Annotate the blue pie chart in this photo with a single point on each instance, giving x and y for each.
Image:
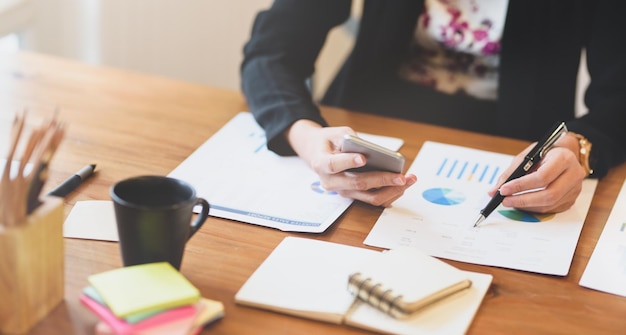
(443, 196)
(317, 187)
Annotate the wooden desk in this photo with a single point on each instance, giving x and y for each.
(131, 124)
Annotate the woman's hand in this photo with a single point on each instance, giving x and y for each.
(557, 179)
(320, 148)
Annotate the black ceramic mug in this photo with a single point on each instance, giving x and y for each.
(153, 215)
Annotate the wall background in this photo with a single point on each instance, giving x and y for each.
(199, 41)
(195, 40)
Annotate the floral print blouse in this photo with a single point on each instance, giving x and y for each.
(456, 45)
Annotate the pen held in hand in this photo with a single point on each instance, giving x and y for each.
(532, 158)
(71, 183)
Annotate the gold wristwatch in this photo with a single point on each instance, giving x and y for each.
(584, 152)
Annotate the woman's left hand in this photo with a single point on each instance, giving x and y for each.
(552, 186)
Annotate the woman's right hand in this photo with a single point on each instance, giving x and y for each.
(320, 148)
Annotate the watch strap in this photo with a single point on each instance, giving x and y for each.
(584, 152)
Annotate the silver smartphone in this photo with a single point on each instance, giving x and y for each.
(378, 158)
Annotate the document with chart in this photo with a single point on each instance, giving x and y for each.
(244, 181)
(437, 214)
(606, 270)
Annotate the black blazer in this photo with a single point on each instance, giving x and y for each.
(541, 46)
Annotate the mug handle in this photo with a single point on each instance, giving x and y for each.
(201, 218)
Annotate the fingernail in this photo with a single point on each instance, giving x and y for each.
(359, 160)
(398, 181)
(501, 191)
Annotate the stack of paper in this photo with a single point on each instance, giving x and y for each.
(148, 299)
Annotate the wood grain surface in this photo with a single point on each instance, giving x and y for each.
(135, 124)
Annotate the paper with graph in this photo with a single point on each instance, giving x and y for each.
(606, 270)
(437, 215)
(244, 181)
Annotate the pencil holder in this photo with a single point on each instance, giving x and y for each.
(31, 267)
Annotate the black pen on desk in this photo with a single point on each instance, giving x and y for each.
(533, 157)
(71, 183)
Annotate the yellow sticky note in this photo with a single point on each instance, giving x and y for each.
(210, 310)
(142, 288)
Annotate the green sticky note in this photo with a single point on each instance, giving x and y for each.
(130, 318)
(144, 288)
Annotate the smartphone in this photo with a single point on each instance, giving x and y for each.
(378, 158)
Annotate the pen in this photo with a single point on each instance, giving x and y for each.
(71, 183)
(533, 157)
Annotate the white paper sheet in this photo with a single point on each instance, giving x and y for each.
(606, 270)
(244, 181)
(437, 215)
(92, 220)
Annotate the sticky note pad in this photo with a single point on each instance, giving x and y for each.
(212, 310)
(122, 327)
(91, 293)
(143, 288)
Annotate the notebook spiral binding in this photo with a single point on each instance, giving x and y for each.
(376, 295)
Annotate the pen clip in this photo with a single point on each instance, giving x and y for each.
(548, 141)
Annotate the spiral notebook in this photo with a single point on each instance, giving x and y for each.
(402, 281)
(310, 279)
